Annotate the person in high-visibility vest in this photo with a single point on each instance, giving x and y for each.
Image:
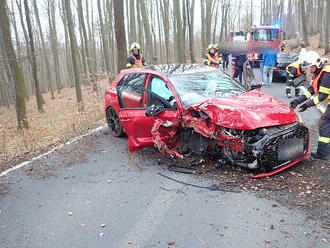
(135, 59)
(212, 58)
(294, 70)
(320, 87)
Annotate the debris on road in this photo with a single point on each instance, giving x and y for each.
(212, 187)
(70, 213)
(184, 170)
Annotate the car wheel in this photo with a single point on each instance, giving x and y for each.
(114, 124)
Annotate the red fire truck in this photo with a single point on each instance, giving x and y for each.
(264, 36)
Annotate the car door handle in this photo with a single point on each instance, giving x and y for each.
(126, 120)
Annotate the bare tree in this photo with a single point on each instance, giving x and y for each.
(49, 77)
(40, 100)
(120, 33)
(326, 30)
(190, 16)
(303, 22)
(14, 66)
(74, 54)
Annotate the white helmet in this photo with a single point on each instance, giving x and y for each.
(311, 57)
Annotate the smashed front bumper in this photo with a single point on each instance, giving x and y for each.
(281, 149)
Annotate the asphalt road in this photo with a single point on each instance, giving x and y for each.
(64, 199)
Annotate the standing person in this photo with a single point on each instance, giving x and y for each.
(225, 59)
(240, 60)
(269, 61)
(233, 62)
(262, 70)
(135, 59)
(293, 71)
(320, 87)
(211, 58)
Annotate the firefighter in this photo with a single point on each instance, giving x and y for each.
(283, 46)
(135, 59)
(293, 71)
(212, 58)
(320, 87)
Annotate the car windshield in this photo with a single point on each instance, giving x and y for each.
(199, 86)
(265, 34)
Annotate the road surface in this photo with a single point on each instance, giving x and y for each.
(94, 193)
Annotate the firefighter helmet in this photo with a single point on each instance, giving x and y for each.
(212, 46)
(135, 45)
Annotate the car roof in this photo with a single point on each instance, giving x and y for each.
(172, 69)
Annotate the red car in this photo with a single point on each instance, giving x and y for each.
(193, 109)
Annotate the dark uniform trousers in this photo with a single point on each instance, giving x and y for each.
(324, 134)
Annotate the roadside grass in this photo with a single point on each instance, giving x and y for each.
(59, 122)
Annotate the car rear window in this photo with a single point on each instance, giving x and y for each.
(199, 86)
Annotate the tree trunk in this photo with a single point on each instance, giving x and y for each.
(74, 54)
(54, 43)
(179, 33)
(320, 21)
(326, 30)
(118, 9)
(132, 22)
(86, 48)
(15, 68)
(203, 17)
(166, 25)
(190, 17)
(303, 22)
(105, 42)
(49, 77)
(146, 26)
(40, 100)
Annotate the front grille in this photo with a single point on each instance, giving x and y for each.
(277, 153)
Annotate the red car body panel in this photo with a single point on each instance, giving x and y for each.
(249, 111)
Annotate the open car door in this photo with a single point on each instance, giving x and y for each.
(150, 92)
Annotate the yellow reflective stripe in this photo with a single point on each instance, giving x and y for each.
(207, 61)
(316, 100)
(311, 82)
(290, 80)
(324, 140)
(128, 65)
(288, 87)
(324, 90)
(298, 87)
(307, 94)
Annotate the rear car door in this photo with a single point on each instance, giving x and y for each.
(136, 93)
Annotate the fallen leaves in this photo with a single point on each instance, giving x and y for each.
(324, 240)
(102, 234)
(70, 213)
(103, 225)
(129, 242)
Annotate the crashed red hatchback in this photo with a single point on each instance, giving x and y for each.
(198, 110)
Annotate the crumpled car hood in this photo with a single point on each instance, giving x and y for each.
(251, 110)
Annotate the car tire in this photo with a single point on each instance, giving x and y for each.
(114, 124)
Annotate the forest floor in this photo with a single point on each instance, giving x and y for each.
(314, 42)
(59, 123)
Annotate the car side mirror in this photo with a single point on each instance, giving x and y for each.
(154, 110)
(255, 85)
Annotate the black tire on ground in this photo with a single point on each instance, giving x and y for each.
(114, 124)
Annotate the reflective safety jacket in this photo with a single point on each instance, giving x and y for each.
(210, 58)
(320, 86)
(135, 61)
(294, 69)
